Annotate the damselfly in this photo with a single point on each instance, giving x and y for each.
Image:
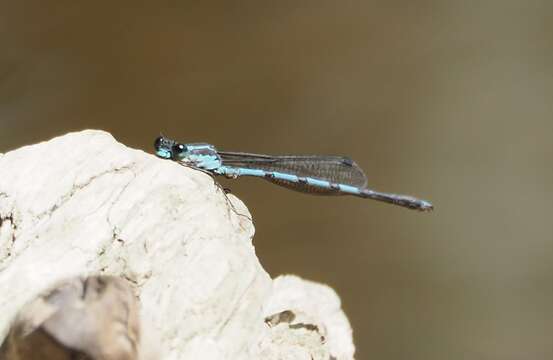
(313, 174)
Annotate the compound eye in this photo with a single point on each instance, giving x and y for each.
(158, 142)
(180, 148)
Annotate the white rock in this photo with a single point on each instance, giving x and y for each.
(309, 313)
(83, 204)
(106, 311)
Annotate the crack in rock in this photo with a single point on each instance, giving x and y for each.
(13, 229)
(286, 316)
(237, 304)
(114, 228)
(77, 187)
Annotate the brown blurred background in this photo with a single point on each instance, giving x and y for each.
(451, 101)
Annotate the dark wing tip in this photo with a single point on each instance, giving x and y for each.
(347, 161)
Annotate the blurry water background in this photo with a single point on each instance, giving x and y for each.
(451, 101)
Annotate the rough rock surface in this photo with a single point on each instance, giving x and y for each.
(85, 204)
(106, 311)
(305, 311)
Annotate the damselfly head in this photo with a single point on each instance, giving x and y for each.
(164, 147)
(169, 149)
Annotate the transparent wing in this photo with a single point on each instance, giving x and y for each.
(336, 169)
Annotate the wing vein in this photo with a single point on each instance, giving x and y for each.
(336, 169)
